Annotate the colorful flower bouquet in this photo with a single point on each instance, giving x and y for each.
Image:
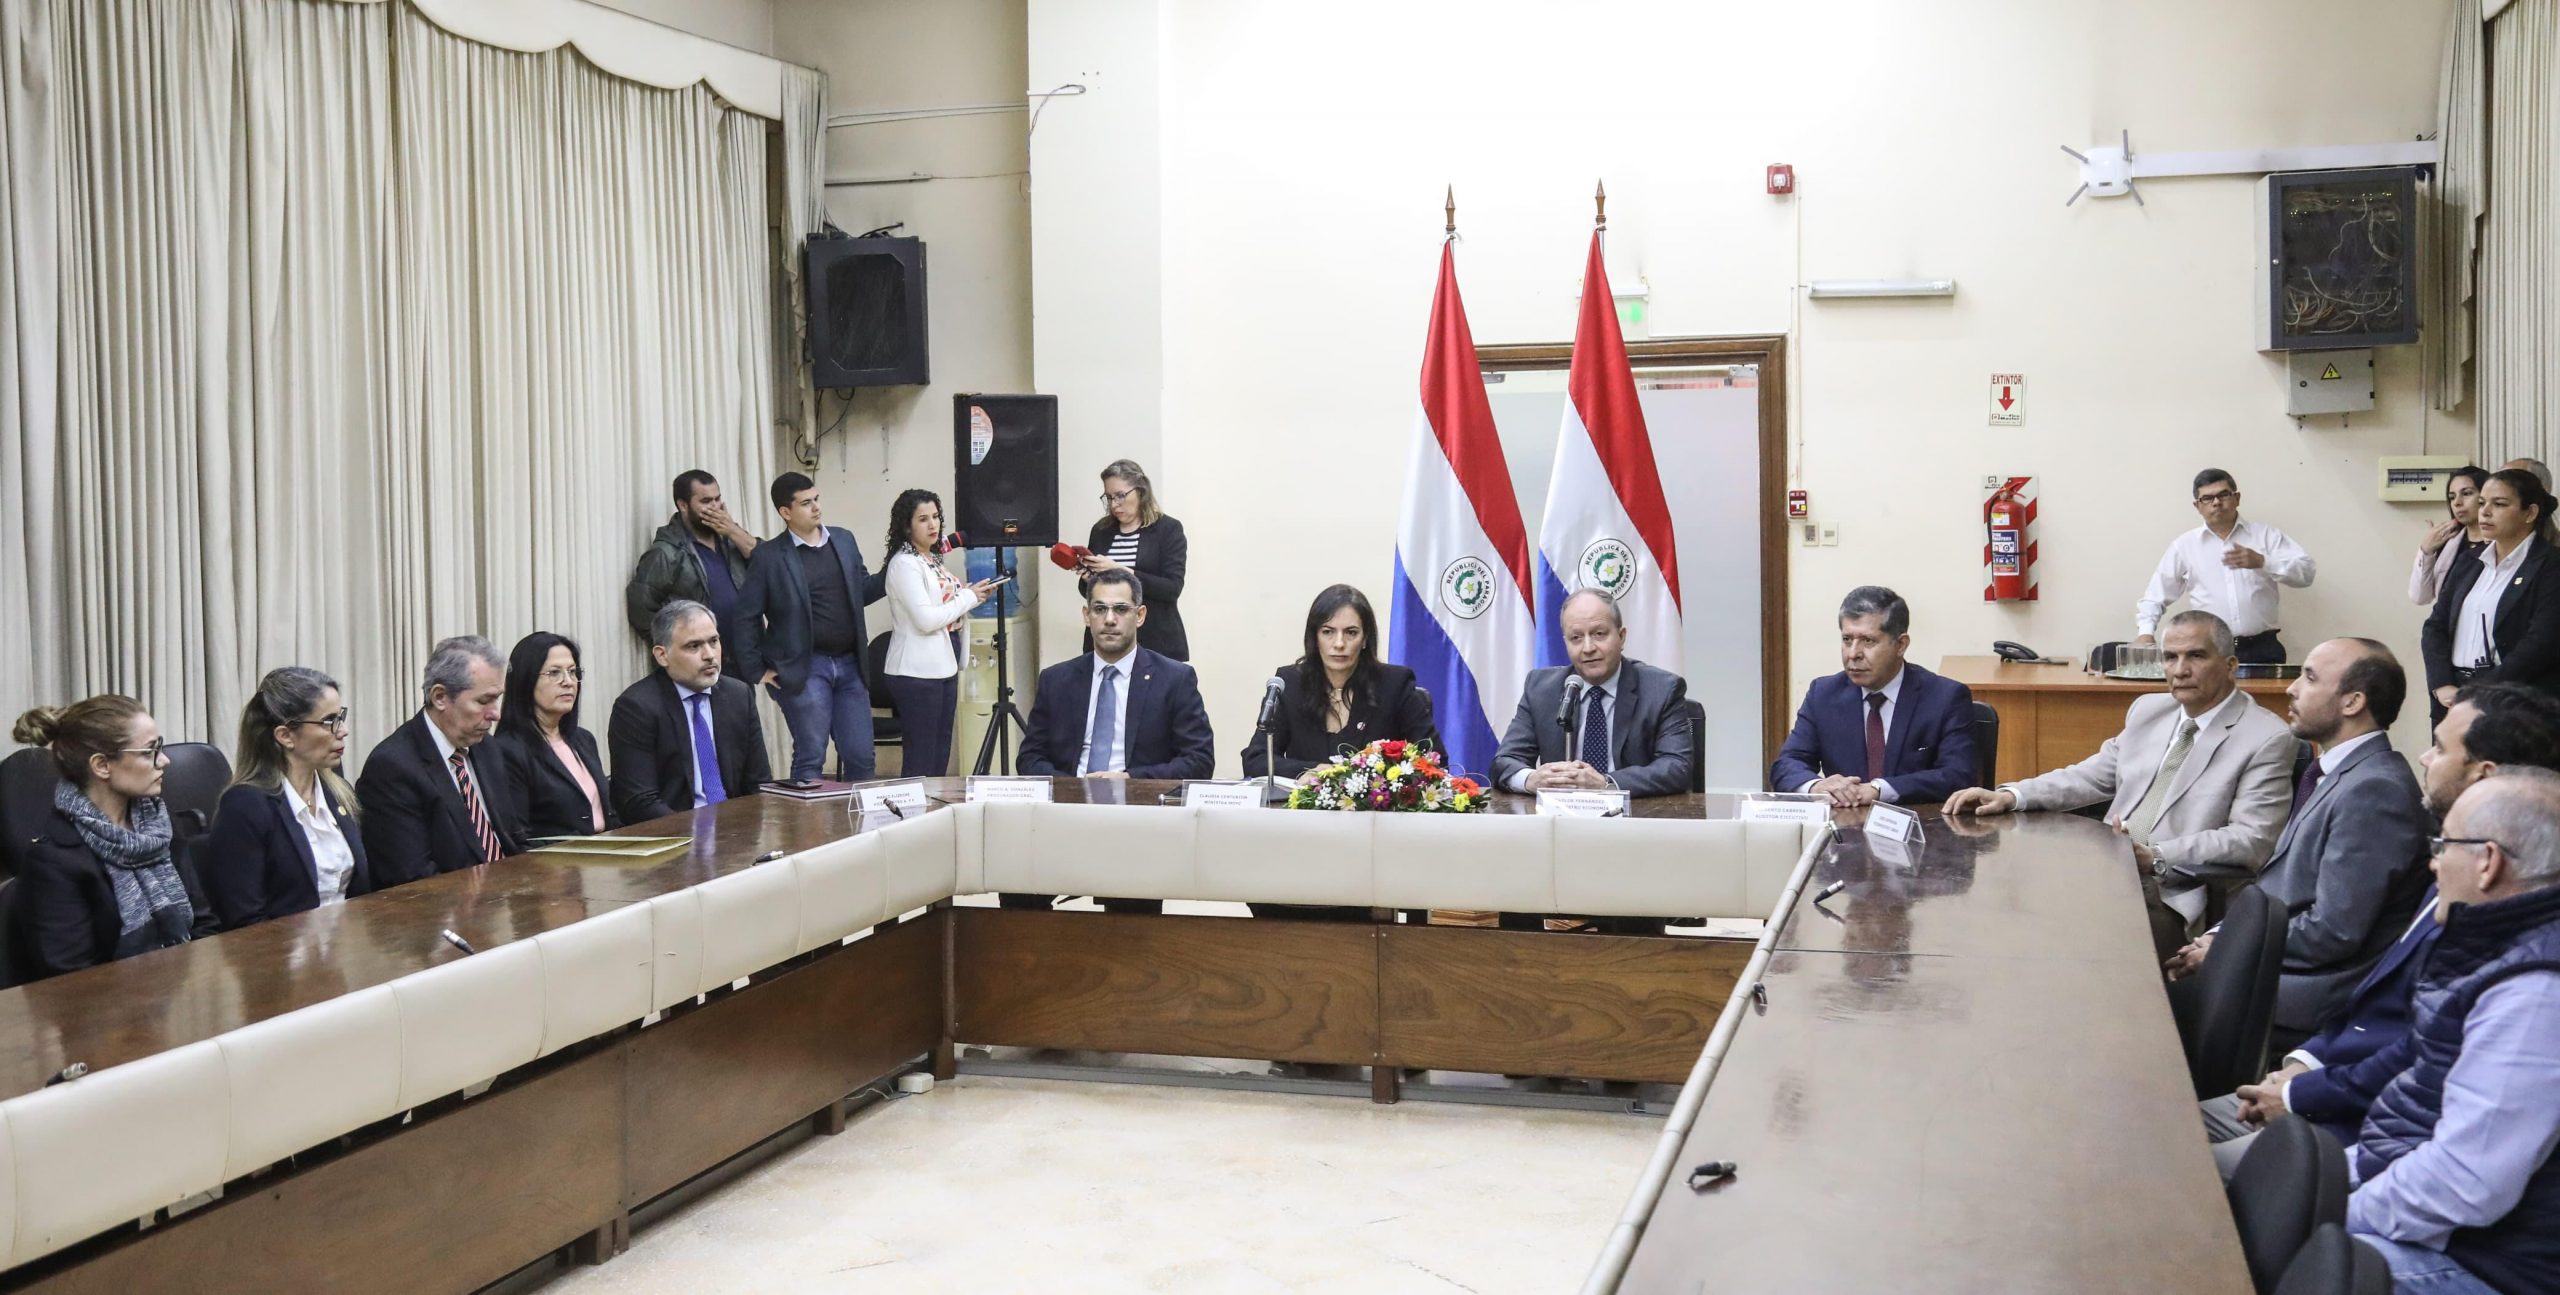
(1393, 775)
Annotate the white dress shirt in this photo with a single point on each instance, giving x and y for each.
(924, 602)
(1606, 688)
(1115, 759)
(2475, 623)
(693, 745)
(332, 861)
(444, 758)
(1892, 691)
(2245, 599)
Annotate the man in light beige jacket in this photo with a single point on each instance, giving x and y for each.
(2228, 786)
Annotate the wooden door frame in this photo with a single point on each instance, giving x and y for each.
(1769, 353)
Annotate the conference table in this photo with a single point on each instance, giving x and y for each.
(1969, 1071)
(1965, 1078)
(2057, 715)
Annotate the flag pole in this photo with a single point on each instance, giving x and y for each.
(1452, 229)
(1600, 206)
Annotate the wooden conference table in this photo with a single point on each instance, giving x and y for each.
(2057, 715)
(1966, 1079)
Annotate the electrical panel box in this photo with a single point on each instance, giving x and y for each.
(2418, 478)
(2337, 259)
(2328, 382)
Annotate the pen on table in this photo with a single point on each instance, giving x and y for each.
(457, 941)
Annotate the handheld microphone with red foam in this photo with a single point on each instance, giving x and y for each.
(950, 540)
(1063, 556)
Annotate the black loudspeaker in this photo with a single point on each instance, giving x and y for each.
(866, 311)
(1004, 469)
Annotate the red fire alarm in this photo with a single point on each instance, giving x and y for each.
(1799, 505)
(1782, 180)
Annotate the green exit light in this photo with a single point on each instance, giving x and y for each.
(1631, 312)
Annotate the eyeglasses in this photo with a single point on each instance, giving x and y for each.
(334, 723)
(1110, 497)
(1111, 609)
(153, 752)
(2436, 844)
(2218, 497)
(564, 674)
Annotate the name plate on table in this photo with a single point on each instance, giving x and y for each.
(1893, 834)
(1222, 795)
(906, 794)
(1017, 791)
(1583, 804)
(1812, 811)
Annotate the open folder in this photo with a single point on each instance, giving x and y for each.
(596, 848)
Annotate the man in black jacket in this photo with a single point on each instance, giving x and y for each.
(686, 736)
(427, 792)
(801, 635)
(700, 555)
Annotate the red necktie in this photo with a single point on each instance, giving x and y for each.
(479, 816)
(1875, 737)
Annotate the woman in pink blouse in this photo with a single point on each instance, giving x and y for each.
(553, 783)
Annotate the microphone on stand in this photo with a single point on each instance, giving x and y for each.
(1271, 690)
(1574, 688)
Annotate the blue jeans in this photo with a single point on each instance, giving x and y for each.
(832, 703)
(2416, 1269)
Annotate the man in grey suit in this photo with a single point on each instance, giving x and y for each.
(1627, 725)
(2353, 862)
(2200, 778)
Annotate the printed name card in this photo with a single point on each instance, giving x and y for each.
(1016, 791)
(1893, 823)
(1811, 811)
(1583, 804)
(1222, 795)
(879, 797)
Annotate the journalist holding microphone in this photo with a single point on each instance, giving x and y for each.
(1337, 694)
(922, 673)
(1135, 535)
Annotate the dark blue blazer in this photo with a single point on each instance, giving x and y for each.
(1168, 727)
(257, 864)
(773, 621)
(2364, 1047)
(1928, 748)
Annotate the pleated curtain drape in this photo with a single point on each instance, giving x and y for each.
(2517, 342)
(325, 334)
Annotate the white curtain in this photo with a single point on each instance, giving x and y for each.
(2518, 341)
(325, 333)
(2450, 288)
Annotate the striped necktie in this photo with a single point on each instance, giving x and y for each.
(479, 813)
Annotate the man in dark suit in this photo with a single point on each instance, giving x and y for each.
(1882, 728)
(685, 736)
(1629, 728)
(801, 634)
(2334, 1076)
(1119, 711)
(2352, 862)
(427, 793)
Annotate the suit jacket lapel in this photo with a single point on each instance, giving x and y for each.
(293, 832)
(2320, 794)
(2145, 749)
(1906, 716)
(1081, 686)
(2208, 739)
(1622, 712)
(448, 794)
(2514, 592)
(684, 731)
(1143, 697)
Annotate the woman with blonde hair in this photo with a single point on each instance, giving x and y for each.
(1135, 534)
(285, 838)
(99, 883)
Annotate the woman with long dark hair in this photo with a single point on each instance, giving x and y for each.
(2497, 619)
(99, 883)
(1135, 534)
(2451, 540)
(921, 671)
(285, 837)
(551, 782)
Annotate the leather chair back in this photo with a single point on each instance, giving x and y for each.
(1986, 745)
(192, 785)
(2226, 1008)
(27, 780)
(2333, 1263)
(2293, 1180)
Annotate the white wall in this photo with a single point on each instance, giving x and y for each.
(1300, 152)
(747, 24)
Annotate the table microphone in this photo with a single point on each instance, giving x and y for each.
(1271, 690)
(1573, 690)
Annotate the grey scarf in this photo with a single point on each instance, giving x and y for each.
(152, 907)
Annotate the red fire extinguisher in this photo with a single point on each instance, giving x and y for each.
(2006, 519)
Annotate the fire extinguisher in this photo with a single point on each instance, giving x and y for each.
(2005, 518)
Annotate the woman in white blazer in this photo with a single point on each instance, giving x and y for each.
(922, 672)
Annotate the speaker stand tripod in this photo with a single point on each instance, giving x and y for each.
(997, 735)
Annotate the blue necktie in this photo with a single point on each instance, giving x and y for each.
(1595, 731)
(706, 760)
(1106, 722)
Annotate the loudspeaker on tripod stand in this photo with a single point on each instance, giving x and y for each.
(1005, 470)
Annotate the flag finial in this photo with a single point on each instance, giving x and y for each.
(1599, 205)
(1453, 211)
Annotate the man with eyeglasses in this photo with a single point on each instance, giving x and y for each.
(2453, 1176)
(2228, 567)
(1118, 712)
(2333, 1077)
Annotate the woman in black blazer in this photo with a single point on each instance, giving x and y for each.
(285, 837)
(1135, 533)
(1336, 695)
(99, 882)
(2521, 611)
(552, 781)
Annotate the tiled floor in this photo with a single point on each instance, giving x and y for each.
(1000, 1185)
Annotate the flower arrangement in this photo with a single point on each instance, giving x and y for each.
(1389, 775)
